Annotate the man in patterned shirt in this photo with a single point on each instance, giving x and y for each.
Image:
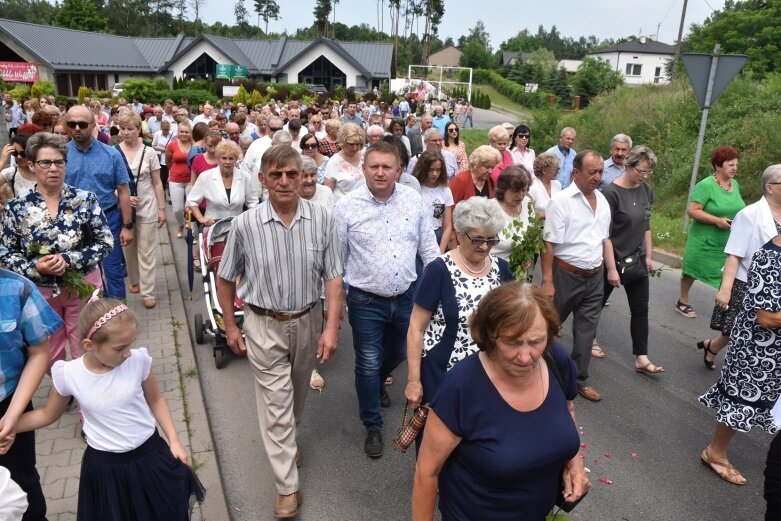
(26, 323)
(382, 226)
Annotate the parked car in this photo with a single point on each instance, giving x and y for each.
(317, 88)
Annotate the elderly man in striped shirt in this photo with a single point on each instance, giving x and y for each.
(279, 251)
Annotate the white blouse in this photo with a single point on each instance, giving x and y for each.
(245, 191)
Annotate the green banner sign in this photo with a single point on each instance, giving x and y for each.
(239, 71)
(224, 71)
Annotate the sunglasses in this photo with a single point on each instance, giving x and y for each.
(523, 136)
(309, 146)
(479, 241)
(453, 129)
(81, 124)
(275, 129)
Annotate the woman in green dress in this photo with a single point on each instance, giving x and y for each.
(714, 202)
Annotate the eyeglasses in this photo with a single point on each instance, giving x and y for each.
(47, 164)
(81, 124)
(644, 172)
(479, 241)
(276, 175)
(354, 143)
(523, 136)
(274, 129)
(309, 146)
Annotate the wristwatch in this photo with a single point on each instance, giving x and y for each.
(127, 226)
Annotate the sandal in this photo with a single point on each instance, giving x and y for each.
(135, 288)
(197, 264)
(710, 364)
(389, 380)
(685, 310)
(596, 350)
(723, 470)
(649, 368)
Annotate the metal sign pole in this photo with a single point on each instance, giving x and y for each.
(701, 136)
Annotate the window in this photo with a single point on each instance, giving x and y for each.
(633, 69)
(657, 75)
(323, 72)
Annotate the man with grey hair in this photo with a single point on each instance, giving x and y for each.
(566, 155)
(433, 139)
(153, 123)
(614, 165)
(205, 116)
(440, 119)
(282, 137)
(415, 135)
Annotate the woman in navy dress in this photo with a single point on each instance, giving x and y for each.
(500, 441)
(446, 296)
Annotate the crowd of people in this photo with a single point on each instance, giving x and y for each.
(367, 205)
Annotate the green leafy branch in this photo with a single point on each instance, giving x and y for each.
(527, 243)
(72, 278)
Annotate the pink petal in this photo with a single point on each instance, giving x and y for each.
(608, 455)
(583, 446)
(582, 456)
(633, 454)
(605, 481)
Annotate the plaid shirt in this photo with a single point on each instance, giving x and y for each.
(25, 320)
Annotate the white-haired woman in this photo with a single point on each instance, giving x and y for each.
(447, 294)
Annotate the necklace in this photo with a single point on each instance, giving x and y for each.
(512, 212)
(727, 188)
(466, 266)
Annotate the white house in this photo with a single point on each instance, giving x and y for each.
(640, 61)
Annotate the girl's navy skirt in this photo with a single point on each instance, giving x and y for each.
(146, 483)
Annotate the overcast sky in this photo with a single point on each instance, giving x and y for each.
(602, 18)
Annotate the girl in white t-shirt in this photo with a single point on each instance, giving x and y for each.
(128, 471)
(437, 197)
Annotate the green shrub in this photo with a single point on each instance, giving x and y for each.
(241, 96)
(255, 98)
(82, 93)
(42, 88)
(511, 89)
(19, 92)
(100, 94)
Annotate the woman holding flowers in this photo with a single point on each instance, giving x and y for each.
(56, 236)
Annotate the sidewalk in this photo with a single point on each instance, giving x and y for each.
(163, 330)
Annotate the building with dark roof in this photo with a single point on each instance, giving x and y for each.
(72, 58)
(640, 61)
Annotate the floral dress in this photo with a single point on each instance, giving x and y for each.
(750, 381)
(79, 233)
(452, 296)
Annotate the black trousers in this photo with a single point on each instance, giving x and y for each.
(773, 480)
(637, 295)
(20, 461)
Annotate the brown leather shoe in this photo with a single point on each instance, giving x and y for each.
(298, 458)
(149, 304)
(287, 506)
(135, 288)
(589, 393)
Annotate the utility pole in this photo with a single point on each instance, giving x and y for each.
(680, 40)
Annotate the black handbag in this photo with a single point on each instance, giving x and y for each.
(631, 268)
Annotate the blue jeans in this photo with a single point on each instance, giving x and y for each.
(114, 263)
(379, 327)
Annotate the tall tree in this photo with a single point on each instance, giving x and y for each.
(434, 11)
(181, 10)
(322, 12)
(197, 5)
(267, 10)
(80, 14)
(33, 11)
(160, 15)
(242, 17)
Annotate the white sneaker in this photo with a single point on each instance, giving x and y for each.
(316, 381)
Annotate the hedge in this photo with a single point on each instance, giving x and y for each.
(511, 89)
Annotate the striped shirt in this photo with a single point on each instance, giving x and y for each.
(26, 319)
(280, 268)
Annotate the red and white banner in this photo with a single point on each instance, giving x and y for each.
(19, 72)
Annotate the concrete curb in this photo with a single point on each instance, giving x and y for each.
(215, 507)
(670, 259)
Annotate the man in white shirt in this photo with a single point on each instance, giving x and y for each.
(433, 139)
(382, 226)
(251, 161)
(577, 223)
(205, 116)
(153, 123)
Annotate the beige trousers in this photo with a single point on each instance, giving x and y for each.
(141, 258)
(282, 355)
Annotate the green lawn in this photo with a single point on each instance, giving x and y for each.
(473, 138)
(501, 103)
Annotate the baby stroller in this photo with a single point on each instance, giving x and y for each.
(211, 243)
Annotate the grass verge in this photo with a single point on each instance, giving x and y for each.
(502, 103)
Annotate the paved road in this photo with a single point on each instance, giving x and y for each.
(645, 436)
